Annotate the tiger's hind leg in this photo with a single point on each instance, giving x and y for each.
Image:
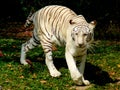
(49, 59)
(52, 69)
(33, 42)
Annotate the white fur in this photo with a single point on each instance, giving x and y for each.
(52, 69)
(23, 56)
(72, 33)
(76, 72)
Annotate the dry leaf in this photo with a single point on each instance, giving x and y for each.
(54, 47)
(118, 65)
(34, 76)
(1, 54)
(43, 81)
(111, 73)
(21, 76)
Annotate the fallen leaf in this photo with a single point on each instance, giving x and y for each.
(54, 47)
(1, 54)
(118, 65)
(29, 62)
(34, 76)
(111, 73)
(21, 77)
(43, 81)
(28, 33)
(9, 65)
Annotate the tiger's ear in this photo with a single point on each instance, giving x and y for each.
(92, 24)
(71, 22)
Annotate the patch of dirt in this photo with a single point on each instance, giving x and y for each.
(81, 87)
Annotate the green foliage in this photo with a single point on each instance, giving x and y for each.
(102, 68)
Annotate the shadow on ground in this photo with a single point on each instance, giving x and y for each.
(97, 75)
(93, 73)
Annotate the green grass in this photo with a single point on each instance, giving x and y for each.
(102, 68)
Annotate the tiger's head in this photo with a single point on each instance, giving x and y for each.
(82, 32)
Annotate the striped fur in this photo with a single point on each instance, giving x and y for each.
(60, 25)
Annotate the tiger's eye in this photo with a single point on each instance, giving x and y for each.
(85, 34)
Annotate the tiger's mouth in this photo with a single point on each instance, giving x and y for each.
(80, 45)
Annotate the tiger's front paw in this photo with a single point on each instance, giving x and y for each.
(81, 81)
(86, 82)
(78, 81)
(55, 73)
(24, 62)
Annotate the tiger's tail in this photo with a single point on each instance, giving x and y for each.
(29, 20)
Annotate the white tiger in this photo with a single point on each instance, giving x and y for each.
(60, 25)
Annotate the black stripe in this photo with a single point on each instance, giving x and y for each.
(62, 17)
(28, 42)
(45, 19)
(66, 15)
(42, 13)
(48, 12)
(34, 45)
(43, 41)
(57, 27)
(47, 51)
(47, 47)
(35, 40)
(28, 47)
(54, 15)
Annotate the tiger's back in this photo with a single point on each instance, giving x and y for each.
(53, 21)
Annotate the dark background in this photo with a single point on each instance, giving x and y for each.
(105, 12)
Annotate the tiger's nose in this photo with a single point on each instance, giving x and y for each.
(81, 44)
